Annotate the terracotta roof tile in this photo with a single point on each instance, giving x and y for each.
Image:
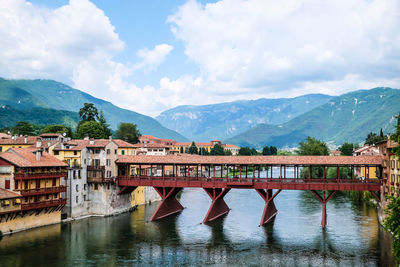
(6, 194)
(25, 157)
(30, 140)
(269, 160)
(122, 143)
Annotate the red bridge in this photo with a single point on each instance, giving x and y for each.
(217, 175)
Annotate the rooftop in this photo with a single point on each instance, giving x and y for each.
(26, 157)
(249, 160)
(6, 194)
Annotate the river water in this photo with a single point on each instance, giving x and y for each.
(295, 238)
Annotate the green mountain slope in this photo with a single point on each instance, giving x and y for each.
(224, 120)
(27, 94)
(346, 118)
(41, 116)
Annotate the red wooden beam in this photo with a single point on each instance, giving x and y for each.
(218, 206)
(323, 200)
(270, 210)
(169, 204)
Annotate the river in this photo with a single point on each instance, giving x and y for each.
(353, 236)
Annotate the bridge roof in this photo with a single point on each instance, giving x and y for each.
(249, 160)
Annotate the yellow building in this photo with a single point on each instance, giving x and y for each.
(16, 142)
(37, 177)
(125, 148)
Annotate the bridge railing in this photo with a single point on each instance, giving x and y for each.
(249, 179)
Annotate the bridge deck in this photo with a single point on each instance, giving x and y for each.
(252, 183)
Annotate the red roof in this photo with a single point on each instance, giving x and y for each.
(122, 143)
(26, 157)
(267, 160)
(6, 194)
(30, 140)
(230, 146)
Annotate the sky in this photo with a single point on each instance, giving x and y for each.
(153, 55)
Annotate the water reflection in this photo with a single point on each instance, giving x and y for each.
(294, 238)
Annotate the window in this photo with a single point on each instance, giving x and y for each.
(96, 151)
(96, 162)
(56, 152)
(108, 151)
(73, 174)
(108, 162)
(79, 174)
(84, 161)
(77, 199)
(85, 187)
(96, 186)
(7, 184)
(5, 169)
(398, 164)
(1, 149)
(84, 197)
(77, 188)
(122, 152)
(75, 153)
(392, 164)
(115, 151)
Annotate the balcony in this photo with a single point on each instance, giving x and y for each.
(100, 180)
(42, 191)
(95, 168)
(74, 166)
(43, 204)
(40, 175)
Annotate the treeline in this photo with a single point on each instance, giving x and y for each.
(92, 123)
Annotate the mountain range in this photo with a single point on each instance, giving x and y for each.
(225, 120)
(346, 118)
(31, 96)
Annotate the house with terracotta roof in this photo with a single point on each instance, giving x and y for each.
(16, 142)
(391, 167)
(38, 180)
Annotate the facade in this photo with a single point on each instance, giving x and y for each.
(35, 181)
(232, 148)
(391, 168)
(367, 150)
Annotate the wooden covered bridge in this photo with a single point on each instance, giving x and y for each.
(217, 175)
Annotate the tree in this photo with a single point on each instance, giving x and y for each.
(58, 128)
(396, 137)
(266, 151)
(93, 129)
(88, 112)
(128, 132)
(228, 153)
(313, 147)
(217, 150)
(373, 138)
(23, 128)
(347, 149)
(246, 151)
(392, 223)
(269, 150)
(106, 126)
(193, 149)
(181, 150)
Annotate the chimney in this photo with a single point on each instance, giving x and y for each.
(86, 138)
(110, 138)
(38, 142)
(38, 154)
(25, 139)
(91, 141)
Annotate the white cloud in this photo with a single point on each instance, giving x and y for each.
(244, 49)
(38, 42)
(150, 59)
(276, 46)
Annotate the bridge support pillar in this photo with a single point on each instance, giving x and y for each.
(218, 206)
(270, 210)
(169, 204)
(323, 200)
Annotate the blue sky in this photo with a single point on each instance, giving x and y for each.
(149, 56)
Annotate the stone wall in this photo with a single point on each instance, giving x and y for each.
(30, 221)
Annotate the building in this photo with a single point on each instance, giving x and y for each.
(391, 167)
(367, 150)
(232, 148)
(37, 180)
(16, 142)
(148, 139)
